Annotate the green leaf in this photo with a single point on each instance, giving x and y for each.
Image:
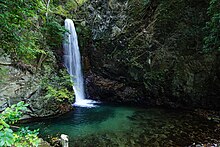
(4, 123)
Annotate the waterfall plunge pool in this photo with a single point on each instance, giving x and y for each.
(113, 125)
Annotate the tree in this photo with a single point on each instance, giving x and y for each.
(26, 32)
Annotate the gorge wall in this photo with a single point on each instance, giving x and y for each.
(149, 53)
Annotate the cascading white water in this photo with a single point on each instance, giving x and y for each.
(72, 61)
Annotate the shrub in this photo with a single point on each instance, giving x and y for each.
(22, 137)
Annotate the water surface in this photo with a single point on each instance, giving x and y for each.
(110, 125)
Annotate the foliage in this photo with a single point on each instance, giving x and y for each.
(59, 87)
(53, 32)
(26, 137)
(58, 94)
(26, 31)
(18, 28)
(20, 138)
(65, 8)
(180, 25)
(212, 39)
(13, 113)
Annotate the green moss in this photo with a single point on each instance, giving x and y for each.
(3, 74)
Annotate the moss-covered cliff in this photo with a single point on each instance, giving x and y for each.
(152, 52)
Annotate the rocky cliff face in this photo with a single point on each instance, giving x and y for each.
(18, 84)
(149, 52)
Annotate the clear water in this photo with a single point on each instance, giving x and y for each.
(110, 125)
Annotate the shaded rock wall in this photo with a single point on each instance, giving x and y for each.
(149, 52)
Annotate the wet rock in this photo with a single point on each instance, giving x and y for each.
(106, 89)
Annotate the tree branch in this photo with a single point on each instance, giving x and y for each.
(6, 64)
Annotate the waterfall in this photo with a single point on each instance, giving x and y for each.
(72, 61)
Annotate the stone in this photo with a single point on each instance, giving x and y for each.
(3, 104)
(64, 140)
(110, 90)
(44, 143)
(116, 31)
(19, 86)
